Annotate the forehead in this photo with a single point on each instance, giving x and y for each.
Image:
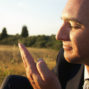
(77, 10)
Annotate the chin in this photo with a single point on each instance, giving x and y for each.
(72, 58)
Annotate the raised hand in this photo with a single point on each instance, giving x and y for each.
(38, 73)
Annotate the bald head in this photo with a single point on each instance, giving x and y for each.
(77, 10)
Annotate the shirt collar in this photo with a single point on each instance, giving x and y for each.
(86, 73)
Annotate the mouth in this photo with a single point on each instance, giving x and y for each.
(67, 47)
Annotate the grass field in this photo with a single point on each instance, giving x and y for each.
(11, 63)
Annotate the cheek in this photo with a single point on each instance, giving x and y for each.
(80, 44)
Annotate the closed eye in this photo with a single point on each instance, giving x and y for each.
(76, 27)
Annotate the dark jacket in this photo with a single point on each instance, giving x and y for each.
(71, 76)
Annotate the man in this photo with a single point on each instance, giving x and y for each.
(74, 34)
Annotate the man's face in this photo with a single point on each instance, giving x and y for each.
(74, 31)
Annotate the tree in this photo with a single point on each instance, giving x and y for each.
(4, 33)
(24, 32)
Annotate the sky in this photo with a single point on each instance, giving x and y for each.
(42, 17)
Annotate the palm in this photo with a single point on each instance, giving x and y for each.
(38, 74)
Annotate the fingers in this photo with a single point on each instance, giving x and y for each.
(43, 70)
(37, 74)
(27, 58)
(30, 66)
(49, 79)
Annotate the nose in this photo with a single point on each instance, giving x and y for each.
(63, 33)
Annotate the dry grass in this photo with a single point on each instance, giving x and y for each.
(11, 63)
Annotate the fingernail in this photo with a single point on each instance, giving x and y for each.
(19, 44)
(40, 60)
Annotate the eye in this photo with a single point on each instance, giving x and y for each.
(76, 26)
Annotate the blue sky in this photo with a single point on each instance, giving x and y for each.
(40, 16)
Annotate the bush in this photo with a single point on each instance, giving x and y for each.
(33, 41)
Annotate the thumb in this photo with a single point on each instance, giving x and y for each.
(43, 70)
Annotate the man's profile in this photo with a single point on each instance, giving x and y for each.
(74, 34)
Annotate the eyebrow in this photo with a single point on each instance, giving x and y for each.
(71, 19)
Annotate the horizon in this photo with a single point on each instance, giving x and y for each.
(40, 17)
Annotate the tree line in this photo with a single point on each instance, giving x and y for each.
(4, 33)
(40, 41)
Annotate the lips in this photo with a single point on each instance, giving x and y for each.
(67, 46)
